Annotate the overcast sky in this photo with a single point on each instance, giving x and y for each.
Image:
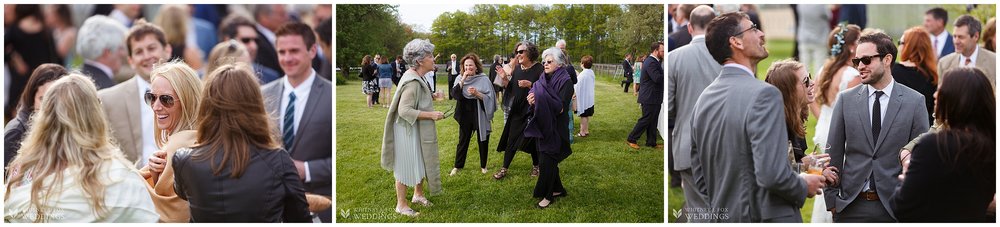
(422, 16)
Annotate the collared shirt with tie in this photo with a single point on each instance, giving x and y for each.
(877, 99)
(968, 61)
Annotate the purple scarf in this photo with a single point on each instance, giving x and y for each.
(547, 108)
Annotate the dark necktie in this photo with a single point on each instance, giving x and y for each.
(877, 115)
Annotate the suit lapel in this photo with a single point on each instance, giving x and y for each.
(311, 103)
(895, 102)
(865, 116)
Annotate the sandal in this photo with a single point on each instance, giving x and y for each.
(501, 174)
(422, 201)
(407, 212)
(539, 205)
(534, 171)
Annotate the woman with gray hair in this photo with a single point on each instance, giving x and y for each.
(550, 100)
(409, 143)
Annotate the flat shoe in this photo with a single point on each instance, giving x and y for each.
(422, 201)
(407, 212)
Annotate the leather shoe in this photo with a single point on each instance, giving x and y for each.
(633, 145)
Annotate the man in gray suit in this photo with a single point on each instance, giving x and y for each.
(691, 70)
(871, 123)
(301, 103)
(739, 149)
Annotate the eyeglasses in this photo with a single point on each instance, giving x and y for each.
(866, 59)
(248, 40)
(752, 27)
(165, 100)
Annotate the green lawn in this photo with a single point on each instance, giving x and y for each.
(778, 49)
(606, 180)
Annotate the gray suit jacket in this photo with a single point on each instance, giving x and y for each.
(313, 137)
(857, 155)
(739, 155)
(986, 61)
(691, 70)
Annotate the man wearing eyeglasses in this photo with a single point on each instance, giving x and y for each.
(131, 120)
(238, 27)
(871, 123)
(739, 144)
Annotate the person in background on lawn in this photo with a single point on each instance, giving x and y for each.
(585, 95)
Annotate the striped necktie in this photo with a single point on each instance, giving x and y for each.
(288, 133)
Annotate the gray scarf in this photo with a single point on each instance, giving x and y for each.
(486, 106)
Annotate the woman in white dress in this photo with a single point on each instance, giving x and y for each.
(836, 75)
(409, 143)
(68, 170)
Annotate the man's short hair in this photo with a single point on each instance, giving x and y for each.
(975, 27)
(938, 14)
(883, 43)
(299, 29)
(140, 29)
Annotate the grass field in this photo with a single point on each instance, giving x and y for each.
(778, 49)
(607, 181)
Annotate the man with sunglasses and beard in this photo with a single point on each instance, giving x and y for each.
(131, 120)
(739, 142)
(871, 123)
(241, 29)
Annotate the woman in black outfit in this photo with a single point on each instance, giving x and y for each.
(951, 174)
(473, 91)
(550, 100)
(27, 44)
(917, 67)
(369, 85)
(523, 75)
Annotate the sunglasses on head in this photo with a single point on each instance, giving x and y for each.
(165, 100)
(867, 59)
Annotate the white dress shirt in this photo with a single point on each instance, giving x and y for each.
(301, 97)
(883, 101)
(972, 58)
(940, 39)
(146, 120)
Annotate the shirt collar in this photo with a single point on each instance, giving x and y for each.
(268, 34)
(887, 90)
(702, 36)
(102, 67)
(975, 54)
(742, 67)
(304, 86)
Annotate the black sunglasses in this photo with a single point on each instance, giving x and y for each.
(521, 51)
(248, 40)
(866, 59)
(549, 62)
(752, 27)
(165, 100)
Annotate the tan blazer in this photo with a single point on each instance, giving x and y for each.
(412, 98)
(161, 188)
(986, 61)
(122, 109)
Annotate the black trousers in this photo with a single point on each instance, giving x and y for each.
(451, 85)
(861, 210)
(508, 157)
(465, 132)
(627, 83)
(647, 123)
(548, 178)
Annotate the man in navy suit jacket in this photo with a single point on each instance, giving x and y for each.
(934, 22)
(650, 97)
(629, 72)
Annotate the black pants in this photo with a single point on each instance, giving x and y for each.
(451, 85)
(647, 123)
(548, 178)
(861, 210)
(627, 83)
(508, 157)
(465, 132)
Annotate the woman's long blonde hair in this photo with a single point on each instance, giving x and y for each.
(69, 131)
(184, 80)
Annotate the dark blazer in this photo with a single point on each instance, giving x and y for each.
(937, 190)
(267, 54)
(917, 81)
(268, 191)
(101, 79)
(949, 47)
(681, 37)
(313, 143)
(651, 81)
(13, 134)
(265, 74)
(629, 72)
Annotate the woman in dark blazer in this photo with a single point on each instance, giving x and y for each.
(39, 81)
(369, 85)
(550, 99)
(951, 174)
